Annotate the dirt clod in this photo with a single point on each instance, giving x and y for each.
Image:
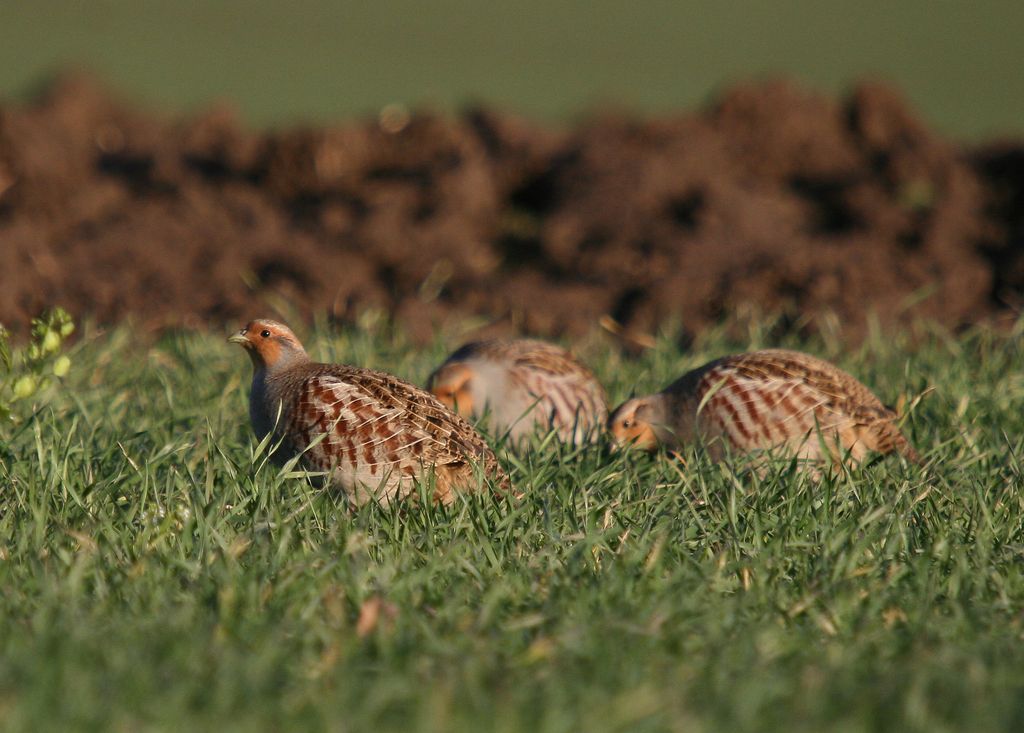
(773, 195)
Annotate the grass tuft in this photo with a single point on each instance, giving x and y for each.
(159, 572)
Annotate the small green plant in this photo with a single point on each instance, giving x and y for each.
(25, 372)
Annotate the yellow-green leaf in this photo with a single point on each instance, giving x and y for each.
(61, 366)
(51, 342)
(24, 387)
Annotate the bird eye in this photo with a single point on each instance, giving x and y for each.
(265, 333)
(627, 423)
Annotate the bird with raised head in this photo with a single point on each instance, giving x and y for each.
(523, 384)
(374, 435)
(770, 399)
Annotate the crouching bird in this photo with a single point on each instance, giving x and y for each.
(771, 399)
(374, 435)
(523, 384)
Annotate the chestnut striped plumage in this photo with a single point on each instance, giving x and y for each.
(523, 384)
(771, 399)
(374, 435)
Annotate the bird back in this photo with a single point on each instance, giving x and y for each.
(776, 397)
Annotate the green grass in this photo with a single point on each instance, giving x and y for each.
(157, 573)
(958, 62)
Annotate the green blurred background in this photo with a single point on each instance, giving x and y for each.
(312, 60)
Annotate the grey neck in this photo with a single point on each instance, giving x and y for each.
(260, 402)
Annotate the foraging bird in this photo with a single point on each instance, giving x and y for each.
(765, 399)
(523, 383)
(374, 434)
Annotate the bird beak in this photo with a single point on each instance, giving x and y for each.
(238, 338)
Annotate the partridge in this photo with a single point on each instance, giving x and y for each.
(523, 383)
(372, 434)
(762, 400)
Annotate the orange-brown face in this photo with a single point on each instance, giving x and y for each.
(629, 426)
(267, 342)
(451, 385)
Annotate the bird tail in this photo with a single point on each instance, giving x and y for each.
(906, 450)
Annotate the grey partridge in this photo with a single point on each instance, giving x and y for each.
(374, 435)
(762, 400)
(523, 384)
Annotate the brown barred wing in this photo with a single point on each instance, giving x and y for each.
(566, 390)
(576, 408)
(381, 435)
(874, 425)
(781, 398)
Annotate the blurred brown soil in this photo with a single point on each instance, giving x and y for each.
(773, 196)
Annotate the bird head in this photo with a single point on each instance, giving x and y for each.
(633, 423)
(451, 384)
(270, 345)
